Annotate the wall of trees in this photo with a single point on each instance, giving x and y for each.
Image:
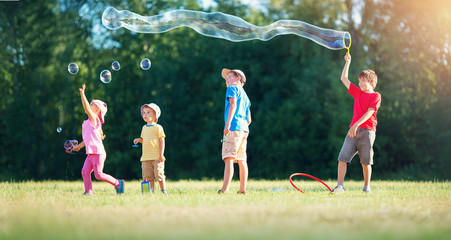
(301, 111)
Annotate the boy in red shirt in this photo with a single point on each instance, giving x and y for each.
(362, 132)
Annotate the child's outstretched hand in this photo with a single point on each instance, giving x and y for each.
(82, 89)
(348, 57)
(136, 141)
(77, 148)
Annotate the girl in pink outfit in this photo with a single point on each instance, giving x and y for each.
(92, 140)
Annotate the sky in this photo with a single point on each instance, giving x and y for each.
(255, 4)
(259, 5)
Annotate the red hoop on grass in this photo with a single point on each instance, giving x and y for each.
(306, 175)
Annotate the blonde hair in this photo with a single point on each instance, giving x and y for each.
(369, 76)
(239, 75)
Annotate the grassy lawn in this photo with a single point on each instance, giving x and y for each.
(193, 210)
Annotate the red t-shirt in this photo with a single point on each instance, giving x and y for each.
(362, 102)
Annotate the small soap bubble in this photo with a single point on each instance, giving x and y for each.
(72, 68)
(145, 64)
(105, 76)
(59, 129)
(115, 66)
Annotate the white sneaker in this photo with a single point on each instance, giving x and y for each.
(338, 190)
(367, 190)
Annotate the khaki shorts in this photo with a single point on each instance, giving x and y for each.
(153, 169)
(362, 144)
(235, 146)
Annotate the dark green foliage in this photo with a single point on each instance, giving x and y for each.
(301, 111)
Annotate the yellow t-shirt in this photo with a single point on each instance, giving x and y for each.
(151, 145)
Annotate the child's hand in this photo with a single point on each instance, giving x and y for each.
(136, 140)
(348, 57)
(76, 148)
(102, 135)
(161, 159)
(226, 132)
(353, 130)
(82, 89)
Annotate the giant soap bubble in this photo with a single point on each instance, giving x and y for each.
(220, 25)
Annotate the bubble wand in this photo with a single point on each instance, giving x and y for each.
(348, 46)
(69, 145)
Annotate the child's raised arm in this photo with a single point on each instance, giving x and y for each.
(86, 106)
(344, 73)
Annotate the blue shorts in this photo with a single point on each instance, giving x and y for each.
(362, 144)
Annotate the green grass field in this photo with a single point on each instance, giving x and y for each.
(193, 210)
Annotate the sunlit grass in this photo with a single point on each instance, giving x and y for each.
(193, 210)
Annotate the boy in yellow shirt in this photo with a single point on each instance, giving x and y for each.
(152, 139)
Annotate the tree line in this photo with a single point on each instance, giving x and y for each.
(301, 111)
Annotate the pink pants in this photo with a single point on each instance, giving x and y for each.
(95, 162)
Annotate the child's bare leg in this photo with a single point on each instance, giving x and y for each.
(366, 174)
(244, 172)
(342, 167)
(228, 174)
(162, 185)
(152, 184)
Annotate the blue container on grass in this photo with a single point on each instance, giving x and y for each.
(145, 187)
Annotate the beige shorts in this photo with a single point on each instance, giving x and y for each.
(235, 146)
(153, 169)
